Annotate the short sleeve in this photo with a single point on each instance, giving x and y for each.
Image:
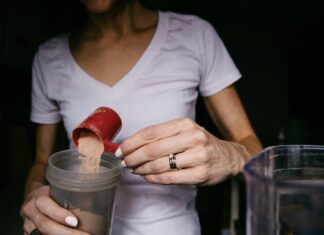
(43, 109)
(217, 67)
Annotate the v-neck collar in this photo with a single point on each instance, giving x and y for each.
(134, 72)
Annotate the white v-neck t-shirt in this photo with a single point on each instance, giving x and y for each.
(185, 56)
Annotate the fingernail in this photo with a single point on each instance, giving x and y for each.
(123, 164)
(118, 153)
(130, 170)
(71, 220)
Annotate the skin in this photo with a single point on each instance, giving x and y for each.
(203, 158)
(39, 210)
(113, 28)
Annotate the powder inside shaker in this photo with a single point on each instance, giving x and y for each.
(90, 148)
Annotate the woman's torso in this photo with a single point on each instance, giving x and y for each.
(160, 86)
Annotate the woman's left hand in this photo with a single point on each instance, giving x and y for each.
(201, 158)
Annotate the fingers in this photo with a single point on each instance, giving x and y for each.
(41, 212)
(155, 150)
(46, 225)
(28, 226)
(188, 159)
(48, 207)
(181, 142)
(202, 158)
(194, 176)
(201, 174)
(156, 132)
(43, 205)
(195, 166)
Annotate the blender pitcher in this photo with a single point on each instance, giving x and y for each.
(285, 191)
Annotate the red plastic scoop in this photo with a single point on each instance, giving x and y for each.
(105, 123)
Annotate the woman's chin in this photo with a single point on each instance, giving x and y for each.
(97, 6)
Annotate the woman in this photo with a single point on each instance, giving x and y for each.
(148, 66)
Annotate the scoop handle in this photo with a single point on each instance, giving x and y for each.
(110, 147)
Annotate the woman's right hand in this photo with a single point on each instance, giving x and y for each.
(40, 212)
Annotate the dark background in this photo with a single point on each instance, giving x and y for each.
(277, 45)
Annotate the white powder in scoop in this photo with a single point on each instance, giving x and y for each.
(91, 148)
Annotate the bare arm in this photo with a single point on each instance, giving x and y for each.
(39, 211)
(45, 137)
(228, 114)
(203, 158)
